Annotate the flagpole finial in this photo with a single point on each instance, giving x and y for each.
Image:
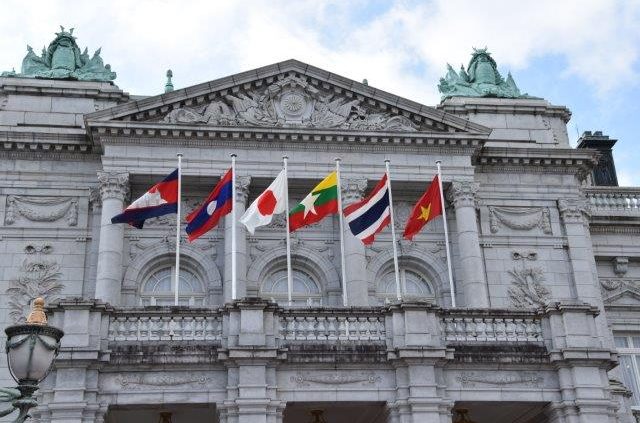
(285, 157)
(387, 161)
(233, 155)
(438, 161)
(337, 159)
(179, 154)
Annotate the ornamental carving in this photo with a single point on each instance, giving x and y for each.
(132, 382)
(306, 379)
(242, 188)
(528, 288)
(519, 218)
(353, 190)
(463, 193)
(37, 277)
(113, 185)
(290, 102)
(574, 211)
(42, 209)
(530, 379)
(620, 265)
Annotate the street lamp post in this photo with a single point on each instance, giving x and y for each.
(31, 349)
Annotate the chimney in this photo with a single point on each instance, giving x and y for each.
(604, 174)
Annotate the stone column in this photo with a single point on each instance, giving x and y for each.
(354, 250)
(473, 281)
(242, 193)
(113, 190)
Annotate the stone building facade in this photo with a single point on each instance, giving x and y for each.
(546, 263)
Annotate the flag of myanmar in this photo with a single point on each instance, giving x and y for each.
(321, 201)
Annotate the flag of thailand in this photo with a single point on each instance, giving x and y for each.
(161, 199)
(217, 204)
(369, 216)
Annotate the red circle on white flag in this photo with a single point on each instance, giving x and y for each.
(267, 203)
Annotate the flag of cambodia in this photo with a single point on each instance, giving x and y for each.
(161, 199)
(217, 204)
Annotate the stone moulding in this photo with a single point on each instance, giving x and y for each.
(537, 160)
(129, 383)
(306, 378)
(519, 218)
(278, 138)
(41, 209)
(528, 379)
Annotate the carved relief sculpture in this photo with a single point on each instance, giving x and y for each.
(37, 278)
(519, 218)
(528, 288)
(290, 102)
(42, 209)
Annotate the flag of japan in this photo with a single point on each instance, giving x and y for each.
(270, 202)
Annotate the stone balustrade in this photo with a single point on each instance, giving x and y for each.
(613, 200)
(143, 325)
(493, 326)
(365, 325)
(360, 325)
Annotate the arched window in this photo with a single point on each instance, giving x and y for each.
(412, 283)
(158, 288)
(305, 289)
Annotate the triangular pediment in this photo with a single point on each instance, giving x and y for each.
(625, 296)
(289, 94)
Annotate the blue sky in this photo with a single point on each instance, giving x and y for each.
(582, 54)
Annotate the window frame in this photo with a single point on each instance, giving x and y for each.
(193, 298)
(297, 299)
(384, 296)
(633, 353)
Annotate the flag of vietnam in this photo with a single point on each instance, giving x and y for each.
(427, 208)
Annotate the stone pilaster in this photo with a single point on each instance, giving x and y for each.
(114, 187)
(354, 250)
(242, 193)
(585, 283)
(473, 281)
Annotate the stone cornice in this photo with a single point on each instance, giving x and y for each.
(537, 160)
(62, 88)
(467, 105)
(45, 143)
(128, 133)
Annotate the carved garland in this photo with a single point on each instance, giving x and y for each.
(42, 209)
(519, 218)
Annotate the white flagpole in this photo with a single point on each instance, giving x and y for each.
(176, 283)
(341, 219)
(286, 205)
(393, 234)
(234, 276)
(446, 238)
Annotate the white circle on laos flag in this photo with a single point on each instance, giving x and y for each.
(211, 207)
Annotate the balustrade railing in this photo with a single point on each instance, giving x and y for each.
(611, 200)
(155, 326)
(482, 326)
(325, 325)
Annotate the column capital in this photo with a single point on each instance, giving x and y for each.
(353, 189)
(575, 210)
(463, 193)
(113, 185)
(242, 188)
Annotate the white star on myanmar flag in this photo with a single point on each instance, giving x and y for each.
(309, 203)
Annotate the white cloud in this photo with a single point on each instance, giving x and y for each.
(401, 49)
